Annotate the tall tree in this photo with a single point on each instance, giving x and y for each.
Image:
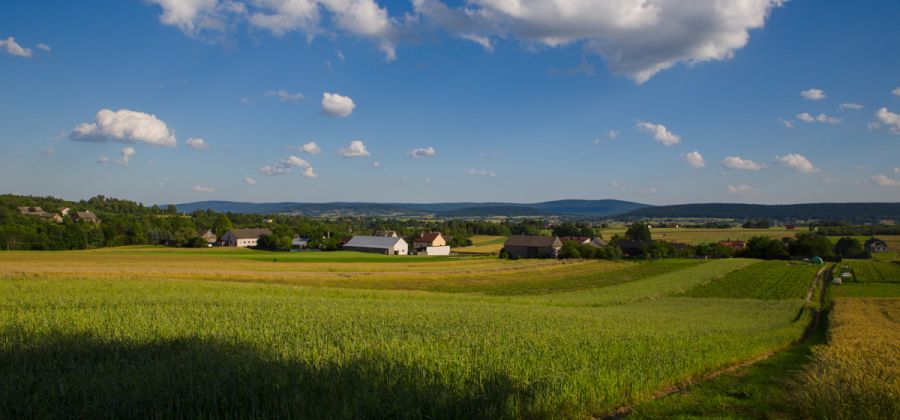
(638, 232)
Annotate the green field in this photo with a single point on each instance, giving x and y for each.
(762, 280)
(200, 333)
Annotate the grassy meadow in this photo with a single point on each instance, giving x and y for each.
(236, 333)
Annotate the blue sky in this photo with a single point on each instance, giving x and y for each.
(480, 100)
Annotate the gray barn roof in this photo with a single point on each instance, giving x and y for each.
(380, 242)
(249, 233)
(533, 241)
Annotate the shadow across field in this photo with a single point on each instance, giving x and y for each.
(84, 376)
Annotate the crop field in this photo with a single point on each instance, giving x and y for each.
(483, 245)
(190, 333)
(698, 236)
(762, 280)
(856, 376)
(875, 271)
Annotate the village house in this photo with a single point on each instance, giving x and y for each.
(875, 245)
(299, 243)
(523, 246)
(208, 236)
(378, 245)
(431, 243)
(243, 238)
(39, 212)
(85, 217)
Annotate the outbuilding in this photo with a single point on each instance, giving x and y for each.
(524, 246)
(378, 245)
(243, 238)
(875, 245)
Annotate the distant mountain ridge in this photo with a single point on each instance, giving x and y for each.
(593, 208)
(858, 212)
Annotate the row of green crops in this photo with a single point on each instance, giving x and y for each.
(875, 271)
(762, 280)
(123, 348)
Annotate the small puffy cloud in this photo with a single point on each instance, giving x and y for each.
(47, 152)
(249, 181)
(612, 134)
(125, 126)
(884, 181)
(888, 118)
(694, 159)
(736, 162)
(480, 172)
(356, 148)
(896, 92)
(660, 133)
(337, 105)
(376, 164)
(203, 189)
(44, 47)
(127, 152)
(311, 148)
(822, 118)
(851, 105)
(813, 94)
(102, 160)
(739, 189)
(12, 47)
(275, 170)
(422, 152)
(196, 143)
(806, 117)
(310, 173)
(294, 161)
(796, 162)
(285, 96)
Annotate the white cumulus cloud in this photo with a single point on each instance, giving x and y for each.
(311, 148)
(736, 162)
(337, 105)
(13, 47)
(659, 132)
(356, 148)
(890, 119)
(694, 159)
(127, 152)
(796, 162)
(884, 181)
(294, 161)
(422, 152)
(196, 143)
(806, 117)
(203, 189)
(480, 172)
(310, 173)
(822, 118)
(249, 181)
(125, 126)
(637, 38)
(813, 94)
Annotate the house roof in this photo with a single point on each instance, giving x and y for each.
(533, 241)
(386, 233)
(582, 239)
(85, 215)
(249, 233)
(428, 237)
(382, 242)
(875, 241)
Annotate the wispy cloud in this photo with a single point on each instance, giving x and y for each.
(480, 172)
(285, 96)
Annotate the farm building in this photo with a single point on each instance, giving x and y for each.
(208, 236)
(385, 233)
(378, 245)
(85, 216)
(737, 246)
(631, 248)
(523, 246)
(243, 238)
(584, 240)
(875, 245)
(431, 243)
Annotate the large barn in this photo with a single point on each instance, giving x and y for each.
(243, 238)
(522, 246)
(378, 245)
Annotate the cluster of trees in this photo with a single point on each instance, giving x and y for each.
(811, 244)
(757, 224)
